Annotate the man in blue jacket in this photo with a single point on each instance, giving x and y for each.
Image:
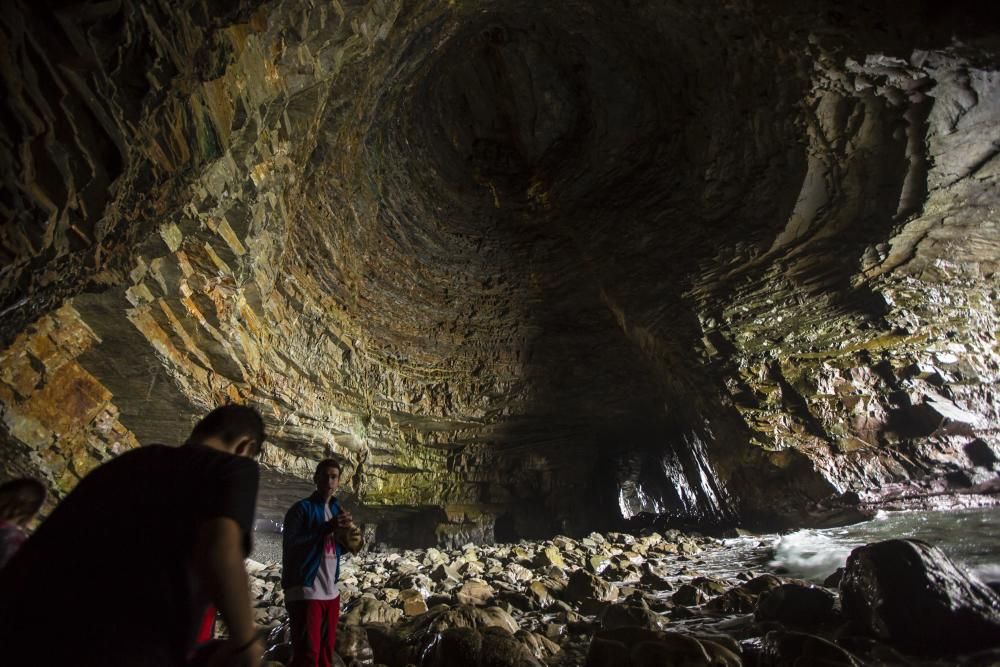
(311, 564)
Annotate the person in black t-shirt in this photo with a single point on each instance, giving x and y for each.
(122, 571)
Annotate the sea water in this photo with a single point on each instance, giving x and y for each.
(971, 537)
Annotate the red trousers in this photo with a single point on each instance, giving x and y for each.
(314, 631)
(206, 631)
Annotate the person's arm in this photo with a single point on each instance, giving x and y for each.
(347, 535)
(219, 563)
(294, 532)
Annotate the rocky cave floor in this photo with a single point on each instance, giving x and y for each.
(649, 599)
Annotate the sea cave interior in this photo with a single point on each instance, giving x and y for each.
(526, 269)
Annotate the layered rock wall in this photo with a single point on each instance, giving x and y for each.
(522, 268)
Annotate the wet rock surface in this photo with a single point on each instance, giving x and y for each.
(737, 618)
(910, 593)
(526, 268)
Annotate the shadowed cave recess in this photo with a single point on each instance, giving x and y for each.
(526, 268)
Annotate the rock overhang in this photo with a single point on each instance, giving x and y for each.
(599, 258)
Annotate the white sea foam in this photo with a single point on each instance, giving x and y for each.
(989, 572)
(809, 554)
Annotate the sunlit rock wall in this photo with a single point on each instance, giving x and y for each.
(523, 268)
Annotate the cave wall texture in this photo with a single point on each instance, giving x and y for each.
(525, 267)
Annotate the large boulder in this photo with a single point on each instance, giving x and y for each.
(540, 594)
(369, 610)
(798, 648)
(540, 646)
(641, 647)
(795, 604)
(413, 602)
(911, 594)
(353, 645)
(688, 596)
(742, 599)
(488, 647)
(475, 592)
(388, 647)
(584, 585)
(630, 614)
(550, 556)
(468, 616)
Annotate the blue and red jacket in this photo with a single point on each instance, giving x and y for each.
(303, 540)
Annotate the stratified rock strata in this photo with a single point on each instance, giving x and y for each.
(524, 268)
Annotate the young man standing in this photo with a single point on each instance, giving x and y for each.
(311, 549)
(121, 572)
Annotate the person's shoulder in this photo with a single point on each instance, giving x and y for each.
(144, 451)
(216, 457)
(302, 505)
(138, 457)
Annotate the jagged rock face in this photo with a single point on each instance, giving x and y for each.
(524, 268)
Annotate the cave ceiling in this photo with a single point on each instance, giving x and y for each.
(561, 262)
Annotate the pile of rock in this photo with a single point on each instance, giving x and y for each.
(619, 599)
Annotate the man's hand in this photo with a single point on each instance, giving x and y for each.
(339, 522)
(231, 655)
(218, 561)
(248, 657)
(347, 534)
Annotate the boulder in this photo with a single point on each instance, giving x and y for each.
(433, 556)
(515, 600)
(387, 646)
(583, 585)
(279, 653)
(593, 606)
(475, 592)
(489, 647)
(629, 614)
(467, 616)
(413, 602)
(622, 571)
(550, 556)
(795, 604)
(369, 610)
(597, 562)
(688, 547)
(515, 573)
(565, 543)
(709, 586)
(654, 577)
(688, 596)
(445, 572)
(736, 600)
(911, 594)
(539, 594)
(538, 645)
(742, 599)
(639, 647)
(472, 568)
(664, 548)
(353, 646)
(798, 648)
(833, 581)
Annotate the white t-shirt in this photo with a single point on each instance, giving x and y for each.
(325, 585)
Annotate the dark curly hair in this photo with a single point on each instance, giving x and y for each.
(21, 498)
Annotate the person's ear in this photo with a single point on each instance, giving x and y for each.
(246, 446)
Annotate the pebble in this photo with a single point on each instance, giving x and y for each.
(611, 599)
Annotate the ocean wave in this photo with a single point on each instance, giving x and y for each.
(809, 554)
